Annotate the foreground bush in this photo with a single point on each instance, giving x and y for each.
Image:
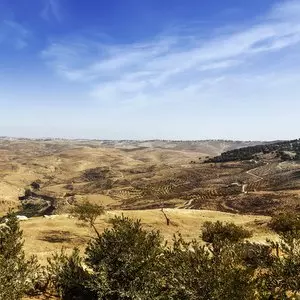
(127, 256)
(68, 277)
(282, 278)
(17, 274)
(124, 262)
(128, 262)
(194, 272)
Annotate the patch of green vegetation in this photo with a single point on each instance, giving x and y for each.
(281, 150)
(128, 262)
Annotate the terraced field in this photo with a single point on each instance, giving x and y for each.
(131, 175)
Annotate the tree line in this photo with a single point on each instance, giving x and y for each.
(248, 153)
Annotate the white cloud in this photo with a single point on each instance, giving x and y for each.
(180, 68)
(52, 9)
(288, 9)
(13, 34)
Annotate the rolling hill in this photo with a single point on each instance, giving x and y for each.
(48, 176)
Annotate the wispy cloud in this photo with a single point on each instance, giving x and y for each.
(13, 34)
(181, 67)
(52, 9)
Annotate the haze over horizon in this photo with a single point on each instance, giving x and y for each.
(4, 137)
(149, 69)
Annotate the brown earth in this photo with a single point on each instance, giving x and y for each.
(142, 175)
(137, 177)
(44, 237)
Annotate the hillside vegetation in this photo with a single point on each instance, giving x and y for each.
(285, 150)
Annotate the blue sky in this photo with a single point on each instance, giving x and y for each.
(133, 69)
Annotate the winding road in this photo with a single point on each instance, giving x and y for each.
(249, 172)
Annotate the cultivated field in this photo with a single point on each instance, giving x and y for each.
(139, 178)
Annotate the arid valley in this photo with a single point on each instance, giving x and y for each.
(44, 179)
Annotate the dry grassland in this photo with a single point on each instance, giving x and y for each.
(43, 236)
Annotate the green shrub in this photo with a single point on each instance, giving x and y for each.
(127, 258)
(193, 272)
(121, 263)
(218, 234)
(17, 274)
(128, 262)
(285, 223)
(256, 255)
(68, 276)
(281, 280)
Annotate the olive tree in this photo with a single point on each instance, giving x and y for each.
(88, 213)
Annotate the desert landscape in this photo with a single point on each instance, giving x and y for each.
(192, 181)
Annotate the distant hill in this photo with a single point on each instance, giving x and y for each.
(285, 150)
(203, 147)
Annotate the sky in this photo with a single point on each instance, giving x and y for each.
(150, 69)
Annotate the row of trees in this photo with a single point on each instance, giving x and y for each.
(129, 262)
